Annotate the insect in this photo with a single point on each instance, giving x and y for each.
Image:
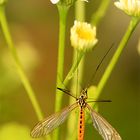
(45, 126)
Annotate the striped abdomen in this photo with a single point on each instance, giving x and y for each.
(81, 125)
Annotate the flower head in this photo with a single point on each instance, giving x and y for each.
(83, 36)
(55, 1)
(131, 7)
(65, 1)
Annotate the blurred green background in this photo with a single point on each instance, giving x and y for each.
(34, 28)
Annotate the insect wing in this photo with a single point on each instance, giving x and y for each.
(47, 125)
(103, 127)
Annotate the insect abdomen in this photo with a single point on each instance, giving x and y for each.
(81, 125)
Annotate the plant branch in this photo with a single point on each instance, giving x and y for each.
(19, 68)
(133, 23)
(99, 14)
(63, 10)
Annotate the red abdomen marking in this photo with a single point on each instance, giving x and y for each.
(81, 125)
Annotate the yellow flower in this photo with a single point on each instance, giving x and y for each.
(83, 36)
(131, 7)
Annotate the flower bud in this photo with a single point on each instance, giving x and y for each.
(83, 36)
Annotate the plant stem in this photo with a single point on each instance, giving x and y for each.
(19, 68)
(18, 65)
(107, 73)
(75, 88)
(99, 14)
(70, 75)
(80, 11)
(63, 10)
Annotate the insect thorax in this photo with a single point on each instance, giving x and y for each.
(82, 99)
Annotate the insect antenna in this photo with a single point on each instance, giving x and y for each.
(65, 89)
(67, 92)
(99, 101)
(98, 66)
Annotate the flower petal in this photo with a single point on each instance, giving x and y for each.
(54, 1)
(131, 7)
(83, 36)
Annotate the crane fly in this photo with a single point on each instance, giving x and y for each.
(47, 125)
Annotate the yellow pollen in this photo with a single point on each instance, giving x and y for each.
(85, 34)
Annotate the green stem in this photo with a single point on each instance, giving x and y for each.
(63, 10)
(18, 65)
(107, 73)
(99, 14)
(80, 16)
(80, 11)
(70, 75)
(19, 68)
